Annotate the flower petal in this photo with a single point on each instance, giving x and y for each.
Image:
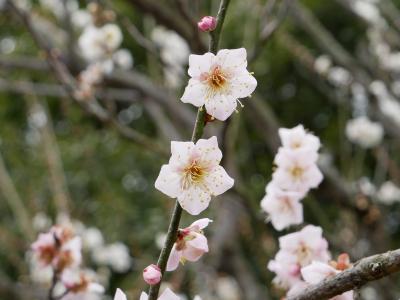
(232, 59)
(221, 106)
(168, 295)
(218, 181)
(194, 200)
(211, 155)
(243, 85)
(173, 260)
(195, 93)
(119, 295)
(143, 296)
(168, 182)
(200, 224)
(181, 153)
(199, 64)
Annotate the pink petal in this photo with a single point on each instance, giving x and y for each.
(174, 259)
(317, 271)
(200, 224)
(168, 295)
(143, 296)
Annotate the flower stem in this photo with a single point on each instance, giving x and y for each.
(197, 133)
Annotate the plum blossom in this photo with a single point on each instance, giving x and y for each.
(283, 207)
(58, 248)
(119, 295)
(79, 282)
(193, 174)
(190, 245)
(298, 138)
(166, 295)
(207, 23)
(297, 170)
(152, 274)
(364, 132)
(388, 193)
(297, 250)
(218, 81)
(318, 271)
(296, 173)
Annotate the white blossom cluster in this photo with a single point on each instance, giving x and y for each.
(174, 52)
(296, 173)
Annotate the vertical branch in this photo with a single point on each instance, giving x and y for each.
(53, 159)
(10, 193)
(197, 133)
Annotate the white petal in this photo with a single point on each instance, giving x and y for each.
(195, 199)
(200, 64)
(181, 153)
(143, 296)
(221, 106)
(218, 181)
(317, 271)
(168, 295)
(210, 153)
(195, 93)
(243, 85)
(232, 59)
(168, 182)
(119, 295)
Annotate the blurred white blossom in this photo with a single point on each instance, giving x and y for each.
(364, 132)
(388, 193)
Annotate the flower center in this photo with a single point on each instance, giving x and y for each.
(192, 174)
(303, 254)
(297, 172)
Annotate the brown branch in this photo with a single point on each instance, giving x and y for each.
(365, 270)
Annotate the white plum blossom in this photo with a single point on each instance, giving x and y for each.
(283, 207)
(318, 271)
(166, 295)
(364, 132)
(322, 64)
(296, 173)
(298, 138)
(218, 81)
(115, 255)
(96, 43)
(388, 193)
(92, 238)
(123, 59)
(297, 170)
(193, 174)
(339, 76)
(297, 250)
(81, 18)
(190, 245)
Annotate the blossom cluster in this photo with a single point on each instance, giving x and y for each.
(295, 174)
(82, 244)
(303, 258)
(61, 250)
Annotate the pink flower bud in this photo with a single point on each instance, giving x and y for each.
(152, 274)
(207, 24)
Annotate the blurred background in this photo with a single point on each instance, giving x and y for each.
(88, 153)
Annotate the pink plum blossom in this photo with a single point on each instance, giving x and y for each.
(190, 245)
(78, 282)
(58, 248)
(297, 170)
(193, 174)
(284, 207)
(152, 274)
(218, 81)
(166, 295)
(298, 138)
(207, 23)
